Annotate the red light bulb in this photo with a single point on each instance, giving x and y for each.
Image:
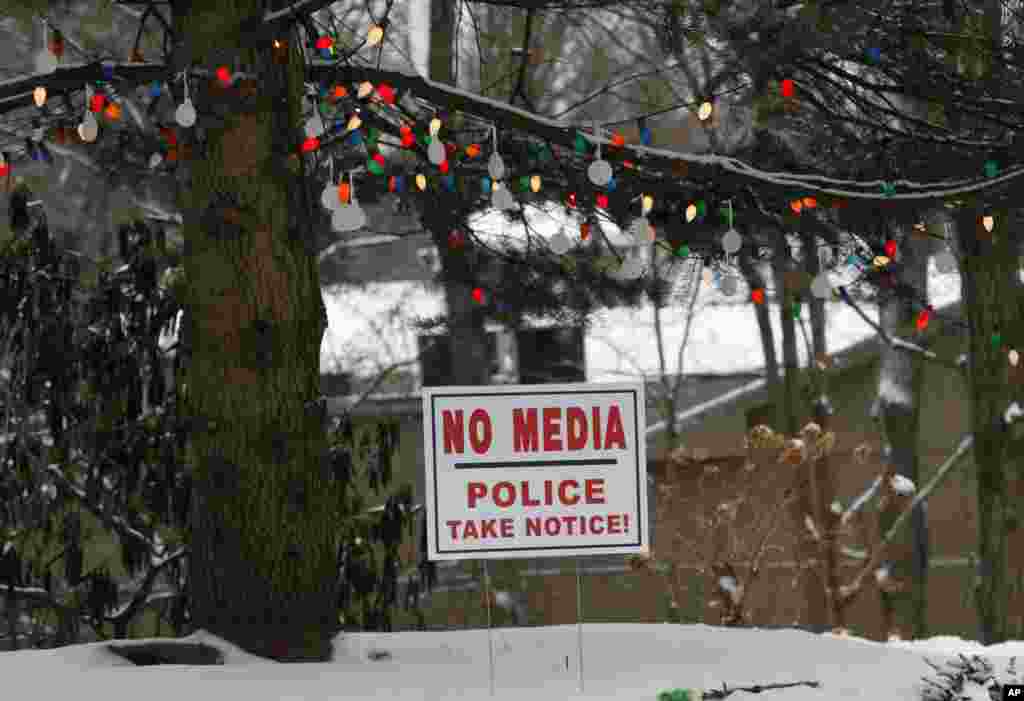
(923, 318)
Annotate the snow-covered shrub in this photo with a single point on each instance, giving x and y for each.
(720, 526)
(968, 679)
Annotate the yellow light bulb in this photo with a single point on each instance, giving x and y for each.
(881, 261)
(988, 222)
(39, 95)
(365, 88)
(435, 126)
(375, 35)
(648, 202)
(704, 111)
(354, 123)
(421, 181)
(535, 183)
(691, 213)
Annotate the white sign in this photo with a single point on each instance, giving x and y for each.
(535, 471)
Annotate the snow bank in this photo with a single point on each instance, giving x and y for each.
(620, 661)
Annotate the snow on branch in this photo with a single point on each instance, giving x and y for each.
(118, 524)
(940, 474)
(1012, 413)
(857, 504)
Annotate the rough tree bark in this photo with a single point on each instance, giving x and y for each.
(264, 523)
(992, 301)
(900, 375)
(785, 295)
(755, 280)
(816, 613)
(816, 306)
(466, 320)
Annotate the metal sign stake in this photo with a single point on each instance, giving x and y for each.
(490, 631)
(579, 626)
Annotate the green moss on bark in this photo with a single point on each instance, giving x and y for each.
(263, 568)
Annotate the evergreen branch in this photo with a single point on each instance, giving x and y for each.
(142, 595)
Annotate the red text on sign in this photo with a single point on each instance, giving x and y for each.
(482, 529)
(554, 429)
(505, 494)
(576, 431)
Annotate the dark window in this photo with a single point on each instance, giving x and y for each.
(550, 355)
(436, 359)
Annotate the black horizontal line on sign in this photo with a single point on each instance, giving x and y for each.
(536, 463)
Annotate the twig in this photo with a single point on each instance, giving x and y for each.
(897, 343)
(952, 461)
(756, 689)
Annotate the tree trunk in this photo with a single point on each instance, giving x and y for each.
(786, 298)
(264, 541)
(469, 362)
(900, 376)
(991, 298)
(764, 323)
(811, 584)
(812, 264)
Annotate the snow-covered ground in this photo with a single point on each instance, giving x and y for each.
(371, 327)
(620, 661)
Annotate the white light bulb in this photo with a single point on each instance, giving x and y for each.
(185, 115)
(704, 111)
(732, 241)
(496, 167)
(436, 152)
(600, 172)
(155, 160)
(988, 222)
(348, 218)
(435, 126)
(329, 198)
(691, 213)
(88, 130)
(39, 95)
